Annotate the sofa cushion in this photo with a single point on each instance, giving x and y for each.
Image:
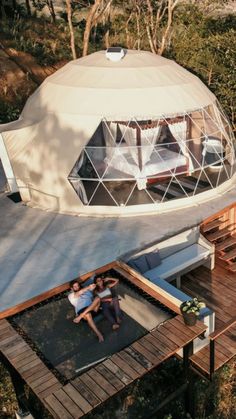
(171, 289)
(132, 264)
(153, 259)
(180, 295)
(140, 264)
(174, 264)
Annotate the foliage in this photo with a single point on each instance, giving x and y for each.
(192, 306)
(206, 46)
(47, 42)
(8, 112)
(8, 403)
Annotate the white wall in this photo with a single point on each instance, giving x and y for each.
(7, 167)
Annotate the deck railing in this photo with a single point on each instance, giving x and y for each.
(213, 337)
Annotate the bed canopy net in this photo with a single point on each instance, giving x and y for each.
(144, 161)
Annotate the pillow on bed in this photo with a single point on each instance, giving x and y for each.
(153, 259)
(140, 264)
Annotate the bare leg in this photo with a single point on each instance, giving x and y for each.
(93, 307)
(117, 309)
(108, 311)
(92, 325)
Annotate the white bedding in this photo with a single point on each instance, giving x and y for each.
(160, 162)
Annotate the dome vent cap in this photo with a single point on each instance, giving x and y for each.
(115, 54)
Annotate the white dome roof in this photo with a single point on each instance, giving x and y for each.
(141, 84)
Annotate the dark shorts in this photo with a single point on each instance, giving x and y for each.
(81, 311)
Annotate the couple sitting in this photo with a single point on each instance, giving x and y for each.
(93, 296)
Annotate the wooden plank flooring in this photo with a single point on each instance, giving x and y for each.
(218, 289)
(84, 393)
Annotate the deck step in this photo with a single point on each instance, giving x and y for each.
(228, 242)
(229, 255)
(212, 225)
(220, 234)
(232, 267)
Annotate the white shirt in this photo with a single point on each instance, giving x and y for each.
(80, 301)
(105, 293)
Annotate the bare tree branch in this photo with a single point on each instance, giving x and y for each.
(72, 36)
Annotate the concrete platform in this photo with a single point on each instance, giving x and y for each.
(40, 250)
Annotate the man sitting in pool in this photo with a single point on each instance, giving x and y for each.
(81, 299)
(104, 289)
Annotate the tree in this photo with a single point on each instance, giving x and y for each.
(40, 4)
(151, 20)
(71, 29)
(154, 15)
(50, 5)
(95, 14)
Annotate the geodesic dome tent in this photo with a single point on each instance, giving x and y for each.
(119, 132)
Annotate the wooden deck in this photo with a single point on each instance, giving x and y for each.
(83, 394)
(218, 289)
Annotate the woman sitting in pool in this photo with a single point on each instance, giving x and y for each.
(108, 300)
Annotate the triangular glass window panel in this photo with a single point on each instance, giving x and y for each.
(203, 182)
(102, 197)
(223, 175)
(90, 187)
(97, 139)
(126, 133)
(185, 183)
(176, 190)
(98, 159)
(155, 192)
(120, 164)
(139, 197)
(160, 188)
(120, 190)
(196, 153)
(109, 133)
(84, 168)
(84, 189)
(196, 124)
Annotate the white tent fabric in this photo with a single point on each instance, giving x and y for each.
(129, 88)
(64, 113)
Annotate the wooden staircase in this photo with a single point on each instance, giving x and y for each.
(221, 230)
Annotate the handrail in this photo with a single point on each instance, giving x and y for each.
(223, 329)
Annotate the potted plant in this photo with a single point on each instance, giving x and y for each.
(191, 310)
